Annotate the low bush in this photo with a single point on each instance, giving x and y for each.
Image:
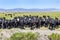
(54, 36)
(24, 36)
(31, 36)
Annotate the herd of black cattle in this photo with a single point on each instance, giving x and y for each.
(30, 21)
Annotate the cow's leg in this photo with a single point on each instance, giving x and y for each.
(2, 25)
(22, 26)
(46, 24)
(50, 26)
(38, 25)
(8, 26)
(31, 25)
(56, 25)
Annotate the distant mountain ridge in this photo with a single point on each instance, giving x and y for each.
(28, 10)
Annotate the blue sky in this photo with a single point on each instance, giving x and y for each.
(10, 4)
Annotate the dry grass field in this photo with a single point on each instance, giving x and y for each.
(7, 15)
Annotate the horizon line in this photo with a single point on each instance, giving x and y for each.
(29, 8)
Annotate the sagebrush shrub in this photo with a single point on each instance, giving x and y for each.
(54, 36)
(24, 36)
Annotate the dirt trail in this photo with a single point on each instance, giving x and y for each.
(6, 33)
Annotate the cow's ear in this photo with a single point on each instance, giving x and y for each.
(37, 16)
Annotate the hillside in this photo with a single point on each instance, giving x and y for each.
(29, 10)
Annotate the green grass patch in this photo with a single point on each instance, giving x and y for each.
(24, 36)
(54, 36)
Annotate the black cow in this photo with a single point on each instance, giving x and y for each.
(56, 22)
(52, 24)
(39, 22)
(1, 24)
(30, 21)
